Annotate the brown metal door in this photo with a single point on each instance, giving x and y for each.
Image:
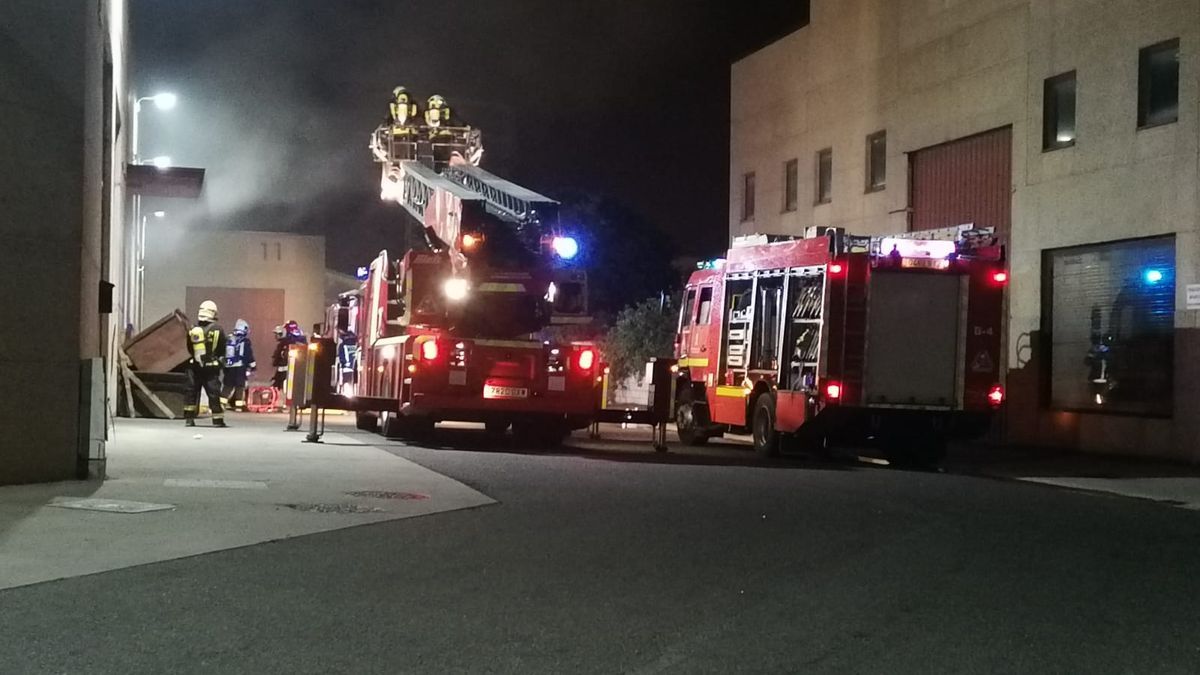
(968, 180)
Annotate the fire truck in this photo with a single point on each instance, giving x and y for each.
(887, 342)
(452, 330)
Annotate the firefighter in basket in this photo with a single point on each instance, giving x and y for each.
(437, 116)
(206, 349)
(402, 113)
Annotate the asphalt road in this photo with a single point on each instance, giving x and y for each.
(595, 563)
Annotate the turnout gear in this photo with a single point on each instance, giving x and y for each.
(279, 358)
(239, 363)
(403, 111)
(347, 356)
(206, 345)
(437, 113)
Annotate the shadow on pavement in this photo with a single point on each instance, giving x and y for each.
(461, 439)
(1020, 461)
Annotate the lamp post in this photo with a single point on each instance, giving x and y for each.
(134, 294)
(141, 263)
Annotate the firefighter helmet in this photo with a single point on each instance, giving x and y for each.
(400, 94)
(436, 101)
(208, 311)
(241, 328)
(293, 329)
(279, 332)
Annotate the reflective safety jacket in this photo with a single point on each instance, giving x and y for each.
(206, 345)
(347, 354)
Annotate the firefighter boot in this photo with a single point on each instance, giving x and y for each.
(219, 422)
(189, 422)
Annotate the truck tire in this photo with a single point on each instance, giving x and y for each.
(762, 426)
(366, 421)
(691, 419)
(496, 427)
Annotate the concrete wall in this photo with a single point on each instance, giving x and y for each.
(932, 71)
(178, 257)
(53, 147)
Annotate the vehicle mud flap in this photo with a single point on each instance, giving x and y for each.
(691, 419)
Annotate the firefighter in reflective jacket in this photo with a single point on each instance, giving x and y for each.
(239, 363)
(279, 358)
(206, 346)
(403, 112)
(347, 356)
(437, 114)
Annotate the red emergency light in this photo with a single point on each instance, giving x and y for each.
(836, 268)
(833, 390)
(587, 359)
(996, 395)
(429, 350)
(1000, 277)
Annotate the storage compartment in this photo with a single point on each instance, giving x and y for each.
(913, 338)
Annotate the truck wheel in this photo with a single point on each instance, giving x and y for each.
(366, 421)
(762, 426)
(691, 420)
(407, 428)
(915, 452)
(495, 427)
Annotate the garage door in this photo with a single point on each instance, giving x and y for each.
(968, 180)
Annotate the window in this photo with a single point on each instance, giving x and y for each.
(705, 306)
(1158, 84)
(689, 303)
(791, 177)
(825, 176)
(876, 161)
(1108, 311)
(748, 196)
(1058, 112)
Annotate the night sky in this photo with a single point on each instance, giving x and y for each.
(277, 100)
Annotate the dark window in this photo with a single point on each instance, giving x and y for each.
(825, 176)
(705, 305)
(689, 303)
(1109, 314)
(748, 196)
(1058, 112)
(877, 161)
(791, 177)
(1158, 84)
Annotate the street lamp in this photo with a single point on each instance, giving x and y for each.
(161, 161)
(140, 263)
(163, 101)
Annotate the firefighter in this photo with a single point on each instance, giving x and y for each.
(347, 357)
(279, 358)
(403, 112)
(206, 347)
(239, 364)
(437, 114)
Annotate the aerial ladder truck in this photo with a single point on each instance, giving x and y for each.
(454, 330)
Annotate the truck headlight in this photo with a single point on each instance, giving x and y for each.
(456, 289)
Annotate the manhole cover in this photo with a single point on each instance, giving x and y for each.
(334, 508)
(108, 505)
(384, 494)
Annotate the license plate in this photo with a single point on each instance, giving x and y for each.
(926, 263)
(494, 391)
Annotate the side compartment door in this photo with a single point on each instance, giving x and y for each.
(701, 332)
(686, 318)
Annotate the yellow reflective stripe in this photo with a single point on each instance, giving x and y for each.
(493, 287)
(732, 392)
(693, 363)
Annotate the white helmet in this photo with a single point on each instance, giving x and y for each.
(208, 311)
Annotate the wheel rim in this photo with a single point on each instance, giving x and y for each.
(685, 419)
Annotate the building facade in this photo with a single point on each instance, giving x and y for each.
(62, 157)
(1071, 126)
(266, 278)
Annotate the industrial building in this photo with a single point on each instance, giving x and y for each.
(1070, 126)
(63, 127)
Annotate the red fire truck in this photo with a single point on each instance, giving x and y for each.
(452, 331)
(887, 341)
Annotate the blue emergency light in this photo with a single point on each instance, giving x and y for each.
(565, 247)
(1153, 276)
(362, 273)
